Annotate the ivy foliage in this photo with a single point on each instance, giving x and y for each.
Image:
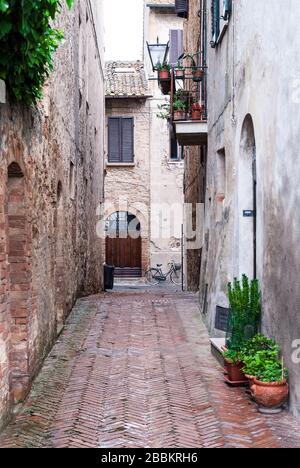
(27, 44)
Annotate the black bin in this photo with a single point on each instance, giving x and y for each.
(109, 275)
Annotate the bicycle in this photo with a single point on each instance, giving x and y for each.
(156, 276)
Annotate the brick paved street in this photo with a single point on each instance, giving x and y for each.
(134, 369)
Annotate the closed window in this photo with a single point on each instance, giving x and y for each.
(120, 140)
(176, 45)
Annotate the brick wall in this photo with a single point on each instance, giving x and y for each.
(194, 177)
(51, 182)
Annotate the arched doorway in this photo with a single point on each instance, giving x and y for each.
(124, 244)
(248, 200)
(19, 281)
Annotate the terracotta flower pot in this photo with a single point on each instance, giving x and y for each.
(179, 115)
(180, 74)
(197, 75)
(196, 114)
(234, 372)
(251, 380)
(164, 75)
(270, 395)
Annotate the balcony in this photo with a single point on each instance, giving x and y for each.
(189, 105)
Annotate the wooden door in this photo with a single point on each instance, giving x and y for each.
(123, 250)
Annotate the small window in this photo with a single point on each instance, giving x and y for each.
(72, 181)
(176, 151)
(220, 15)
(176, 46)
(221, 175)
(121, 140)
(182, 8)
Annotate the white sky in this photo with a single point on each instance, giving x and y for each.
(123, 23)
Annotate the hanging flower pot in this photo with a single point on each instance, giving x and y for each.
(180, 74)
(164, 75)
(198, 74)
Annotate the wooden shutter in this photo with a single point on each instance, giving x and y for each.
(114, 139)
(176, 45)
(127, 152)
(215, 20)
(182, 8)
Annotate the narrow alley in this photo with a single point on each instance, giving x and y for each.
(134, 369)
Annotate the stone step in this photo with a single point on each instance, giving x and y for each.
(217, 346)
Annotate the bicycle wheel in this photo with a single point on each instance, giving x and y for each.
(151, 277)
(176, 277)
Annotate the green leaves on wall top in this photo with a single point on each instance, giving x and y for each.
(27, 43)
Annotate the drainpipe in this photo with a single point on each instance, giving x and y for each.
(233, 63)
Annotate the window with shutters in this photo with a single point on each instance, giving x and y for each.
(176, 46)
(220, 15)
(182, 8)
(121, 140)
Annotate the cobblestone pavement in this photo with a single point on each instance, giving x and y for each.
(134, 369)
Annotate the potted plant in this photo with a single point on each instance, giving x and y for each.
(234, 374)
(270, 388)
(198, 73)
(244, 318)
(179, 72)
(164, 72)
(179, 108)
(245, 312)
(259, 347)
(196, 111)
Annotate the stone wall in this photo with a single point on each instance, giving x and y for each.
(127, 186)
(51, 182)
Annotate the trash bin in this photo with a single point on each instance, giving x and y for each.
(109, 272)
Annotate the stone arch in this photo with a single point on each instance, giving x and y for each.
(247, 200)
(60, 282)
(20, 281)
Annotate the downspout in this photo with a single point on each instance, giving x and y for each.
(233, 119)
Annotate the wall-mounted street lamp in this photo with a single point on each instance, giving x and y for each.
(158, 54)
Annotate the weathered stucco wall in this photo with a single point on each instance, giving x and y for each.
(253, 78)
(49, 252)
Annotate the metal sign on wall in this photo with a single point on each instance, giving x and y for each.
(248, 214)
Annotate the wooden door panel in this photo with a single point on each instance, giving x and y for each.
(124, 253)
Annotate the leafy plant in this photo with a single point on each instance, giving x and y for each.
(164, 67)
(254, 364)
(272, 371)
(180, 103)
(233, 356)
(245, 312)
(27, 43)
(257, 344)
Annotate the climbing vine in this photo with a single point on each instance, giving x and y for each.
(27, 44)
